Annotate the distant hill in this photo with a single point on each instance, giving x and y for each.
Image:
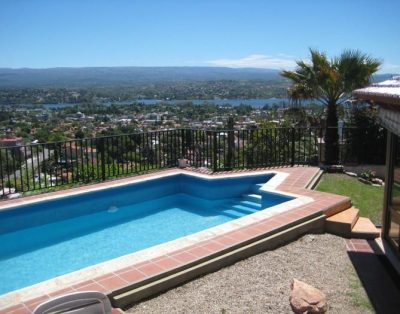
(106, 76)
(383, 77)
(128, 76)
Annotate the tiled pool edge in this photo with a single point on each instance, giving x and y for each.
(244, 248)
(161, 249)
(294, 182)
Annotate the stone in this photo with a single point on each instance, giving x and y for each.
(377, 181)
(365, 181)
(12, 196)
(308, 238)
(306, 299)
(351, 174)
(182, 163)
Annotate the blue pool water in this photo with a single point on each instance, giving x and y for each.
(51, 238)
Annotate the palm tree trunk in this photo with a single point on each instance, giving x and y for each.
(331, 136)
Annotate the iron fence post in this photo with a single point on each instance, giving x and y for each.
(182, 143)
(103, 159)
(215, 161)
(293, 147)
(321, 143)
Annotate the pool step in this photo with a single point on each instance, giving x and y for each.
(256, 198)
(245, 209)
(349, 224)
(247, 204)
(250, 204)
(256, 187)
(238, 210)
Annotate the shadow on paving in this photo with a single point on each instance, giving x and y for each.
(380, 281)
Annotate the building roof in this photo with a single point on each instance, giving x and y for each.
(386, 92)
(14, 139)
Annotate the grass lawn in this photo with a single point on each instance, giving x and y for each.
(368, 199)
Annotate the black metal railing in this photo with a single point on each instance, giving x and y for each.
(53, 165)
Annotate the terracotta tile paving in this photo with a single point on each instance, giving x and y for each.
(81, 284)
(123, 270)
(167, 262)
(32, 304)
(213, 246)
(359, 245)
(199, 251)
(106, 276)
(19, 308)
(151, 269)
(112, 283)
(132, 276)
(184, 257)
(295, 183)
(61, 292)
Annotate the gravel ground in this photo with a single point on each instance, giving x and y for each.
(261, 284)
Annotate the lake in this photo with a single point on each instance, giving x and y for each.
(256, 103)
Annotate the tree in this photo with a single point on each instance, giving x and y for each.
(56, 136)
(295, 116)
(365, 132)
(79, 134)
(331, 82)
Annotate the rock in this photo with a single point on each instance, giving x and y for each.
(377, 181)
(308, 238)
(182, 163)
(307, 299)
(334, 168)
(362, 180)
(351, 174)
(12, 196)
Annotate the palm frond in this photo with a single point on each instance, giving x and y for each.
(328, 80)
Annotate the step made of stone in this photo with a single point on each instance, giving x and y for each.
(337, 208)
(343, 222)
(364, 229)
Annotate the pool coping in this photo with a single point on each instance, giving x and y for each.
(154, 261)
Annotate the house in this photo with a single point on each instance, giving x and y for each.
(9, 142)
(71, 151)
(386, 95)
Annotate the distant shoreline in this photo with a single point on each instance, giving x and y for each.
(255, 103)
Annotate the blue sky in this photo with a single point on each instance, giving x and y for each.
(235, 33)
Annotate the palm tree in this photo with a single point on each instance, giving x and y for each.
(331, 82)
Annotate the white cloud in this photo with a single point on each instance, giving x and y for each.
(390, 67)
(281, 61)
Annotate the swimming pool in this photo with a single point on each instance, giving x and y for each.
(46, 239)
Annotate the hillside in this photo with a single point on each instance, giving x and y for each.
(105, 76)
